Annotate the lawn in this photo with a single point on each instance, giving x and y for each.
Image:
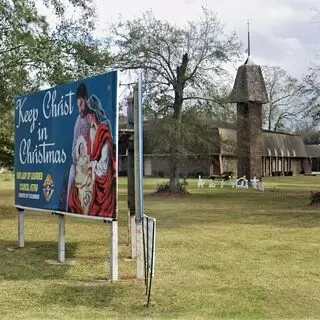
(221, 254)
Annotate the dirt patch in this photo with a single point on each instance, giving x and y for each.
(170, 194)
(57, 263)
(94, 282)
(128, 281)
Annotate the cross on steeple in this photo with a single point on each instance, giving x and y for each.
(249, 51)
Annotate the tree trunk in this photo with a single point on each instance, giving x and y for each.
(177, 140)
(174, 173)
(269, 118)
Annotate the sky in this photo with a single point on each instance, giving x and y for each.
(283, 32)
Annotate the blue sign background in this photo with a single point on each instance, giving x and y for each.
(58, 129)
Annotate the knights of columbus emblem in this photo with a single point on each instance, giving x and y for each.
(48, 187)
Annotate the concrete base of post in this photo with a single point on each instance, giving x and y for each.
(133, 237)
(140, 259)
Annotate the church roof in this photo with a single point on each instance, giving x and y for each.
(313, 150)
(274, 144)
(278, 144)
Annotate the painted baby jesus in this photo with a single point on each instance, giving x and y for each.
(83, 177)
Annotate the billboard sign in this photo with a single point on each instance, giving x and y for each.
(66, 148)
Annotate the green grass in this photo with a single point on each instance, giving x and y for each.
(221, 254)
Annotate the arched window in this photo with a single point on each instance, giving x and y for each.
(269, 152)
(281, 152)
(294, 152)
(275, 152)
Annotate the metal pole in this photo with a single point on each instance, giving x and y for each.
(61, 240)
(141, 159)
(138, 182)
(21, 228)
(131, 180)
(114, 267)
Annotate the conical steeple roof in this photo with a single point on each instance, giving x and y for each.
(249, 85)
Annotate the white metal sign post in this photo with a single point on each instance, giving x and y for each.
(21, 227)
(114, 268)
(138, 168)
(61, 239)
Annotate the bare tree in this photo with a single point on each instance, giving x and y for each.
(177, 63)
(312, 90)
(285, 98)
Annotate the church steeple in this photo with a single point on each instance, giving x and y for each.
(249, 92)
(249, 84)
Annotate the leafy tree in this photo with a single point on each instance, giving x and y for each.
(177, 64)
(33, 54)
(215, 105)
(285, 98)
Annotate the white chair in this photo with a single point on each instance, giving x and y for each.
(254, 182)
(212, 183)
(260, 186)
(200, 182)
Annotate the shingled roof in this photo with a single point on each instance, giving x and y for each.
(313, 150)
(274, 144)
(278, 144)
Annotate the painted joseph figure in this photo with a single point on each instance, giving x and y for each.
(102, 165)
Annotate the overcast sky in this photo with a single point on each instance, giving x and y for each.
(283, 32)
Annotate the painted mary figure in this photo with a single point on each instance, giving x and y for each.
(102, 162)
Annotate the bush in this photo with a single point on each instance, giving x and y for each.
(165, 187)
(161, 174)
(315, 198)
(6, 175)
(228, 173)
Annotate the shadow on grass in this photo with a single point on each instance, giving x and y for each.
(31, 262)
(81, 295)
(116, 298)
(279, 209)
